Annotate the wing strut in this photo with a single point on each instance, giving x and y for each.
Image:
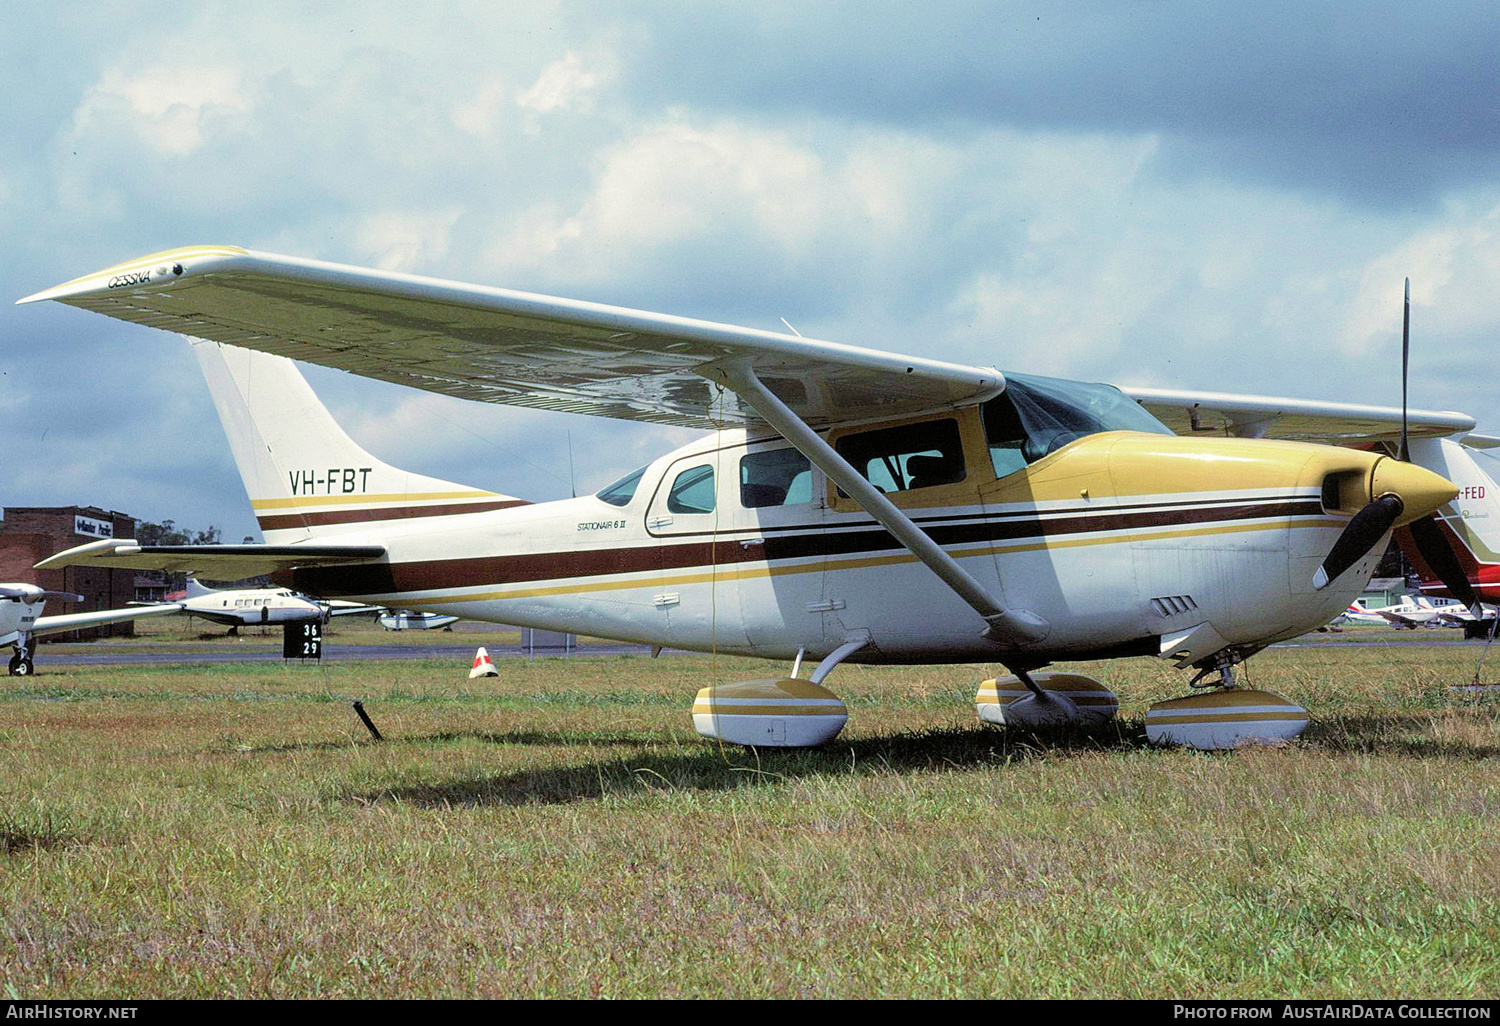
(1012, 628)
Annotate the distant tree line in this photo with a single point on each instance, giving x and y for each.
(168, 533)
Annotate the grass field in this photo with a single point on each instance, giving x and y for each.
(560, 830)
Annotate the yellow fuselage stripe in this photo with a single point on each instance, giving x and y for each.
(700, 709)
(405, 498)
(1222, 717)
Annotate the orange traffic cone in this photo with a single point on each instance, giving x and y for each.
(484, 666)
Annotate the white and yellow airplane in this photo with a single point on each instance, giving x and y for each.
(844, 504)
(22, 622)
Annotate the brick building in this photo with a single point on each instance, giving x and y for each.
(29, 534)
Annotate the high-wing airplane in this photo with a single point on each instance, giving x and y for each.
(1409, 612)
(1364, 615)
(1470, 525)
(22, 622)
(844, 504)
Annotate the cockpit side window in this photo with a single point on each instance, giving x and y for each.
(1035, 416)
(911, 456)
(692, 491)
(1004, 435)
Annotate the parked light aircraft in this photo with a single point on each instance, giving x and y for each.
(243, 607)
(1409, 612)
(1361, 614)
(1470, 525)
(405, 620)
(846, 503)
(22, 622)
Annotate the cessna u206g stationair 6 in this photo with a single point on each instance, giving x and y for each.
(846, 504)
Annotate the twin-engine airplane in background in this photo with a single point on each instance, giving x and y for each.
(22, 622)
(845, 504)
(248, 607)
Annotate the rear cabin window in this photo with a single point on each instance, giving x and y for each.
(622, 491)
(780, 477)
(692, 491)
(903, 458)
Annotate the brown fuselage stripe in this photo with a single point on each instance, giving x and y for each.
(431, 575)
(282, 521)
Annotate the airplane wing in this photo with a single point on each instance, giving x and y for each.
(501, 346)
(343, 607)
(1302, 420)
(212, 562)
(45, 625)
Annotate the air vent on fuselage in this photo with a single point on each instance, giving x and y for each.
(1173, 605)
(1345, 492)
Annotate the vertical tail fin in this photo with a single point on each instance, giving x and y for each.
(304, 475)
(1470, 523)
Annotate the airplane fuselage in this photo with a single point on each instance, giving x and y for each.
(17, 616)
(1125, 543)
(250, 606)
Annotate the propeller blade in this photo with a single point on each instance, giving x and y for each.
(1405, 456)
(62, 596)
(1442, 562)
(1366, 528)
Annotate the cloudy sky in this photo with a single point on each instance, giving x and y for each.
(1147, 193)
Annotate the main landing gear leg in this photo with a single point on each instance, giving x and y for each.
(1029, 698)
(782, 713)
(1223, 662)
(1041, 708)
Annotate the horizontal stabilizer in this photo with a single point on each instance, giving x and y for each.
(214, 562)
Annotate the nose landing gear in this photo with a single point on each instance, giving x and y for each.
(22, 663)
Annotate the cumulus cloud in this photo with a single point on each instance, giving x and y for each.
(1454, 267)
(1093, 190)
(409, 240)
(480, 116)
(565, 84)
(167, 105)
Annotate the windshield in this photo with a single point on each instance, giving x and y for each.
(1035, 416)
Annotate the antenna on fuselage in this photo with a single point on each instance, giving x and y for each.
(572, 484)
(789, 327)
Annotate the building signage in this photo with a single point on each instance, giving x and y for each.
(92, 528)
